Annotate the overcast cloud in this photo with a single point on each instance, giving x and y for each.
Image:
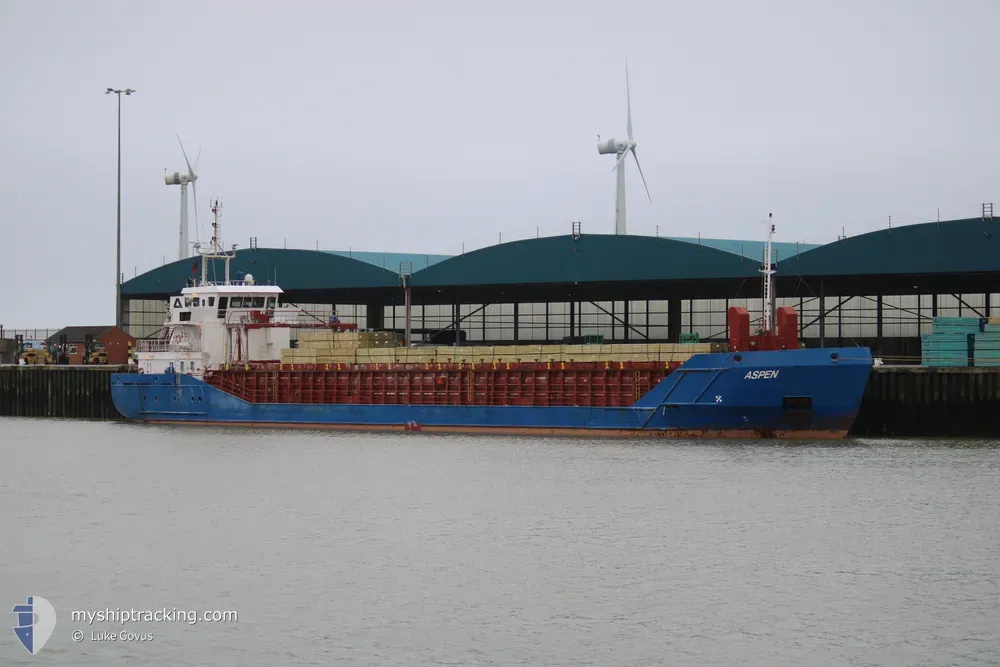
(417, 126)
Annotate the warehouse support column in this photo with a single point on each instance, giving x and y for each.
(840, 321)
(802, 317)
(456, 317)
(572, 319)
(878, 323)
(920, 316)
(515, 322)
(673, 320)
(822, 316)
(406, 309)
(726, 313)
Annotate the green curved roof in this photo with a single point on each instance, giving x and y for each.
(751, 249)
(969, 246)
(957, 246)
(292, 270)
(392, 261)
(592, 258)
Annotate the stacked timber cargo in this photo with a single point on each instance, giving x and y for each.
(351, 348)
(951, 342)
(986, 350)
(318, 347)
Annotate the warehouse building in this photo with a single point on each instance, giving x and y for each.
(879, 289)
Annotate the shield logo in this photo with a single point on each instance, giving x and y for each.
(35, 623)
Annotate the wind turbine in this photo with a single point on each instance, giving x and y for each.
(182, 179)
(621, 149)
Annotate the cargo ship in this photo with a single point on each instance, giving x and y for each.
(226, 358)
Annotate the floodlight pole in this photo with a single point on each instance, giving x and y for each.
(118, 263)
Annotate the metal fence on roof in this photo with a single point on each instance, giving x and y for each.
(28, 334)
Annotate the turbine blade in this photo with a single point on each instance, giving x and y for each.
(628, 102)
(643, 177)
(196, 159)
(620, 158)
(190, 171)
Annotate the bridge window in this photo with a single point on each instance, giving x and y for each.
(211, 302)
(270, 303)
(196, 302)
(258, 302)
(236, 302)
(185, 316)
(187, 302)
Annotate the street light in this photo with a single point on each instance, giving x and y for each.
(118, 265)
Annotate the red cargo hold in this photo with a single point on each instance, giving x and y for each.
(587, 384)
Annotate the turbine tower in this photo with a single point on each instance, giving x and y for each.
(622, 148)
(182, 179)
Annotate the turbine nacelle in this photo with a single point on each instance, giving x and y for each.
(178, 178)
(614, 146)
(611, 146)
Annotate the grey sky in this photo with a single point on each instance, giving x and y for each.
(401, 126)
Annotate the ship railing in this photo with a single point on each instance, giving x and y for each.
(155, 346)
(231, 283)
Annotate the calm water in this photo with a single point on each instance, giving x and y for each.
(428, 550)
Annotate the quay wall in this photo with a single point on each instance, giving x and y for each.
(77, 392)
(915, 401)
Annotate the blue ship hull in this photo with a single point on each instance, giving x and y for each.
(806, 393)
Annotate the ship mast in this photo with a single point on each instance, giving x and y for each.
(217, 226)
(767, 272)
(216, 250)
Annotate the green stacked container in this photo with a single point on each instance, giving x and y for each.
(952, 342)
(986, 351)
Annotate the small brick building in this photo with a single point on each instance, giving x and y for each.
(116, 343)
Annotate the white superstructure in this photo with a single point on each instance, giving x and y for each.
(211, 325)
